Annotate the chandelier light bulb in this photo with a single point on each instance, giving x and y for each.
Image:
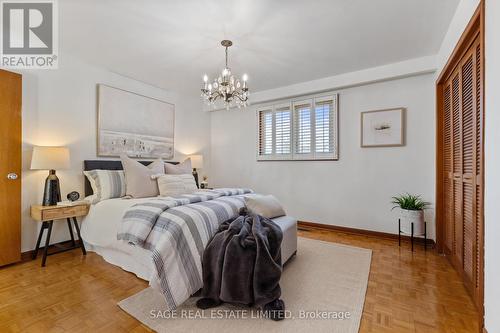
(245, 77)
(205, 78)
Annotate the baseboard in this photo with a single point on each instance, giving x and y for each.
(303, 225)
(26, 256)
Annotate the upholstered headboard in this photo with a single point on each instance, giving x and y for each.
(105, 165)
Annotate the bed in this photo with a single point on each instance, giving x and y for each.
(101, 225)
(168, 255)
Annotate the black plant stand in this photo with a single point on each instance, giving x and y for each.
(412, 236)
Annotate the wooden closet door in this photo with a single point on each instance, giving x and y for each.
(462, 157)
(449, 206)
(457, 169)
(477, 174)
(469, 156)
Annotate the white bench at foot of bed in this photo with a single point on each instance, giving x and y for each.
(288, 225)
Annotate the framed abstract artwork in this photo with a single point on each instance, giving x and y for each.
(383, 128)
(137, 125)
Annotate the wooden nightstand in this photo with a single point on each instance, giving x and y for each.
(47, 215)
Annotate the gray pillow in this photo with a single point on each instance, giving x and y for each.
(264, 205)
(106, 184)
(138, 177)
(179, 169)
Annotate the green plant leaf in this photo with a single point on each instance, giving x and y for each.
(409, 202)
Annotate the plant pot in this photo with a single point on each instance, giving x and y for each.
(412, 216)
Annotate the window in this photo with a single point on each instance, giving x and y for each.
(302, 129)
(325, 128)
(283, 126)
(299, 130)
(265, 133)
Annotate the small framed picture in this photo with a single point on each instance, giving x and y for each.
(383, 128)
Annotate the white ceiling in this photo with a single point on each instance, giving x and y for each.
(171, 44)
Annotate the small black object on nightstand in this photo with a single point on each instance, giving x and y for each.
(73, 196)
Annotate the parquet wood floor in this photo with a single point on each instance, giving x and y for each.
(407, 292)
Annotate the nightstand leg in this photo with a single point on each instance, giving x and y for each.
(47, 241)
(79, 236)
(71, 232)
(40, 234)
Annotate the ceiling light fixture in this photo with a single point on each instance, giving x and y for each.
(226, 87)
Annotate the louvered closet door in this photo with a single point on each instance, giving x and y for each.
(462, 163)
(457, 168)
(449, 226)
(468, 166)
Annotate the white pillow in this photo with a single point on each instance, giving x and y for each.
(106, 184)
(138, 177)
(264, 205)
(175, 185)
(183, 168)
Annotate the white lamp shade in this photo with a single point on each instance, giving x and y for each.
(196, 161)
(50, 158)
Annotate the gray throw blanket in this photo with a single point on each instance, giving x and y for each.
(242, 263)
(176, 231)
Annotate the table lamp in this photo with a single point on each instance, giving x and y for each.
(52, 159)
(196, 163)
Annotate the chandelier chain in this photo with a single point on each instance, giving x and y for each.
(226, 55)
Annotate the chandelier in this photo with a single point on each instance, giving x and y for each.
(226, 88)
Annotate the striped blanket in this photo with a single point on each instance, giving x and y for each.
(176, 231)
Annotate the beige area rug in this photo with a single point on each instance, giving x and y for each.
(323, 288)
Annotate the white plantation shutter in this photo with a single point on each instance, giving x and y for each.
(302, 132)
(325, 127)
(265, 132)
(283, 130)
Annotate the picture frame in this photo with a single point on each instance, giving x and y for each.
(383, 128)
(134, 124)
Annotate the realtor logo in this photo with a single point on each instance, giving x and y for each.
(29, 34)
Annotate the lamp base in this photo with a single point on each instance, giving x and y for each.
(52, 191)
(195, 175)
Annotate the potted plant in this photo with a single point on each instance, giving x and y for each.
(412, 211)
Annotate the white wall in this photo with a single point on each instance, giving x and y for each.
(397, 70)
(492, 168)
(354, 191)
(461, 18)
(59, 108)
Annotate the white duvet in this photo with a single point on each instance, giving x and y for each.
(99, 230)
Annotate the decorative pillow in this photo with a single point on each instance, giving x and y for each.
(175, 185)
(138, 177)
(264, 205)
(183, 168)
(106, 184)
